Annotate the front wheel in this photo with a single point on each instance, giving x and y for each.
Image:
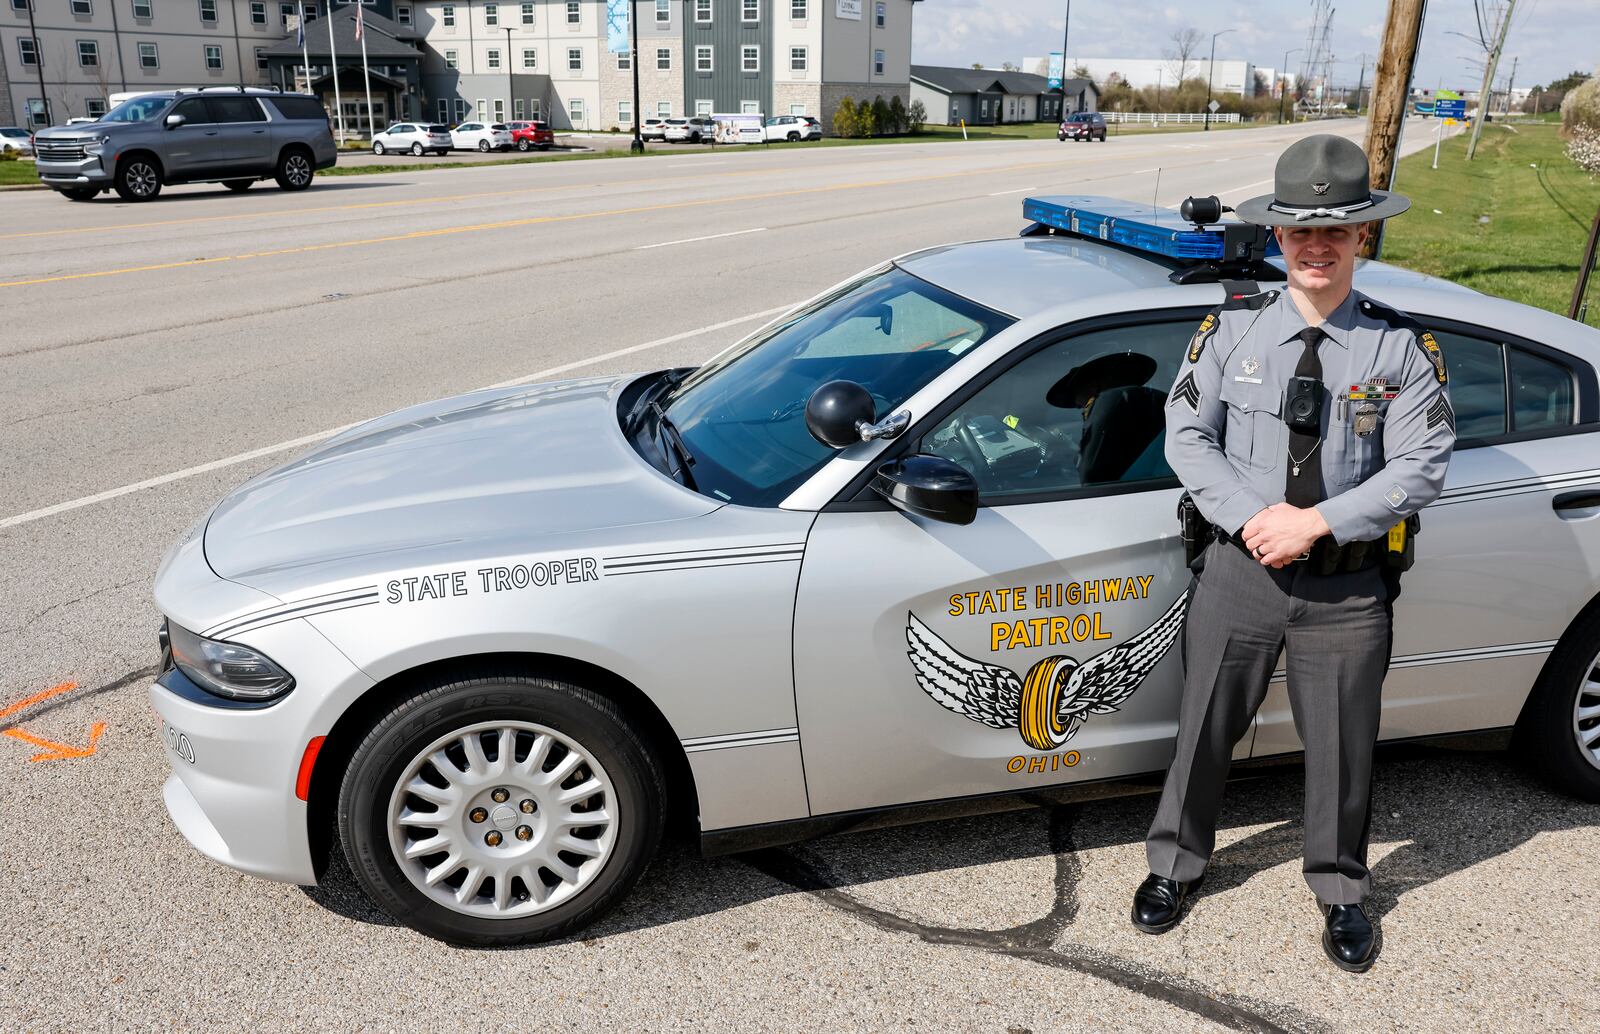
(138, 179)
(294, 171)
(377, 147)
(416, 150)
(1560, 730)
(483, 145)
(499, 809)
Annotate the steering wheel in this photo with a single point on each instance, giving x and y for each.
(976, 463)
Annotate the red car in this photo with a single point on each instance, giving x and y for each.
(531, 134)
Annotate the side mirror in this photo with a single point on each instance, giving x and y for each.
(837, 411)
(929, 486)
(174, 121)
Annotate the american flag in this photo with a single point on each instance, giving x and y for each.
(360, 22)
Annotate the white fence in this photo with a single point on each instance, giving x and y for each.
(1167, 117)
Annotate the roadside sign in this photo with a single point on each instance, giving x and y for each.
(1056, 68)
(1213, 105)
(1448, 104)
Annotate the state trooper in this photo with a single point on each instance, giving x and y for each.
(1309, 425)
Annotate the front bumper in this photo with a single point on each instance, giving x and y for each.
(87, 172)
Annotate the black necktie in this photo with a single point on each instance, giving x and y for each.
(1303, 487)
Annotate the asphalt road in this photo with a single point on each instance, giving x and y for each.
(154, 356)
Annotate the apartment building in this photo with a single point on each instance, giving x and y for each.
(64, 58)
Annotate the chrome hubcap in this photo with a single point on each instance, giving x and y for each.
(502, 819)
(141, 178)
(1586, 714)
(299, 170)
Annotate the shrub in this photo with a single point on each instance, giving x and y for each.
(882, 120)
(1580, 109)
(1584, 149)
(844, 118)
(916, 116)
(866, 122)
(897, 113)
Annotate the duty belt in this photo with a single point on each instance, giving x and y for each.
(1326, 556)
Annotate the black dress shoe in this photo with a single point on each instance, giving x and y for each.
(1158, 903)
(1349, 939)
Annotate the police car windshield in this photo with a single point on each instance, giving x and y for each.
(140, 109)
(742, 415)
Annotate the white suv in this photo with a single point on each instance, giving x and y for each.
(653, 129)
(792, 127)
(414, 137)
(482, 136)
(690, 130)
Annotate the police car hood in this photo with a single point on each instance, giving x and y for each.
(471, 475)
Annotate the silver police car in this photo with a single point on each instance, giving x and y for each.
(911, 544)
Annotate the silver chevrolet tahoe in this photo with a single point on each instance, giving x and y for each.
(233, 137)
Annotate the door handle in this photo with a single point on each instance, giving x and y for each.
(258, 132)
(211, 132)
(1579, 500)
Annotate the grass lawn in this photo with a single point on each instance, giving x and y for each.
(14, 172)
(1512, 222)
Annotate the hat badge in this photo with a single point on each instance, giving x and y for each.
(1320, 188)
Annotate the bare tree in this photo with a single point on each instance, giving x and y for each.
(1185, 42)
(1007, 66)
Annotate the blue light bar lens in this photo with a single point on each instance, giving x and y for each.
(1155, 231)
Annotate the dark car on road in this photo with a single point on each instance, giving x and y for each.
(233, 137)
(1082, 125)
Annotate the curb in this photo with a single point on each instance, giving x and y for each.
(25, 186)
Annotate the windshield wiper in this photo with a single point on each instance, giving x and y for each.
(669, 434)
(669, 380)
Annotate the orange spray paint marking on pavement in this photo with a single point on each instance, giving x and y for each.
(37, 698)
(50, 750)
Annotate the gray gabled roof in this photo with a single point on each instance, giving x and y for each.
(987, 80)
(384, 38)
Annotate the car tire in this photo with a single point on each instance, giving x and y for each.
(238, 186)
(138, 178)
(377, 147)
(793, 138)
(523, 145)
(80, 193)
(416, 150)
(295, 170)
(559, 720)
(1559, 731)
(483, 145)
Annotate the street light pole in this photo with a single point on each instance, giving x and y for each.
(511, 83)
(1283, 75)
(1211, 68)
(1066, 30)
(637, 147)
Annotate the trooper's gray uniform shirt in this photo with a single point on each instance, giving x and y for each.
(1387, 434)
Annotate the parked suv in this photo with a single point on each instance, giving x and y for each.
(532, 134)
(792, 128)
(699, 129)
(415, 137)
(231, 136)
(1083, 125)
(653, 129)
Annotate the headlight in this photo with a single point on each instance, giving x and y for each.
(95, 146)
(227, 669)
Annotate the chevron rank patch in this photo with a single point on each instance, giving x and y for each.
(1198, 343)
(1187, 392)
(1430, 348)
(1439, 413)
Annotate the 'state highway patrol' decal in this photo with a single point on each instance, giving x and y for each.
(1055, 698)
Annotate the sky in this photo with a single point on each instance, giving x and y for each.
(1550, 38)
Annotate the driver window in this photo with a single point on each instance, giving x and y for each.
(194, 111)
(1080, 413)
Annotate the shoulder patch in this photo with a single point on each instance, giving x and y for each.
(1250, 301)
(1430, 348)
(1202, 334)
(1401, 321)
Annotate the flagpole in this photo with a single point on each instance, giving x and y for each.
(305, 50)
(366, 77)
(333, 56)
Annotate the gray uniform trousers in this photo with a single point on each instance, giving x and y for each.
(1336, 631)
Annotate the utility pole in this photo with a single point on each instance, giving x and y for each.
(1361, 82)
(637, 146)
(1211, 68)
(511, 85)
(1283, 76)
(1391, 88)
(38, 65)
(1488, 78)
(1510, 83)
(1066, 32)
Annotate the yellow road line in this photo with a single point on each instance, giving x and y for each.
(510, 224)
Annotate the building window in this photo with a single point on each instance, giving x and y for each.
(527, 14)
(750, 59)
(79, 6)
(663, 59)
(148, 56)
(208, 11)
(530, 59)
(88, 54)
(447, 16)
(574, 13)
(663, 109)
(402, 14)
(535, 108)
(797, 59)
(258, 12)
(499, 109)
(261, 59)
(749, 107)
(494, 57)
(141, 8)
(702, 12)
(663, 11)
(37, 116)
(797, 109)
(877, 62)
(461, 110)
(444, 109)
(880, 13)
(20, 5)
(28, 48)
(516, 108)
(94, 107)
(577, 110)
(574, 59)
(213, 58)
(285, 12)
(483, 110)
(797, 10)
(983, 108)
(452, 59)
(752, 11)
(624, 60)
(624, 113)
(702, 107)
(702, 59)
(491, 15)
(311, 13)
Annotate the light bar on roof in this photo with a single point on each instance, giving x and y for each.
(1156, 231)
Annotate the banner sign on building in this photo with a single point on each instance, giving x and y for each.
(849, 9)
(1057, 65)
(617, 26)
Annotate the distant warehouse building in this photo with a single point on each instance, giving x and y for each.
(983, 97)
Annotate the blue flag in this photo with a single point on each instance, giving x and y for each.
(300, 29)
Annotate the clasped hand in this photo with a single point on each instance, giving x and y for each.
(1281, 533)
